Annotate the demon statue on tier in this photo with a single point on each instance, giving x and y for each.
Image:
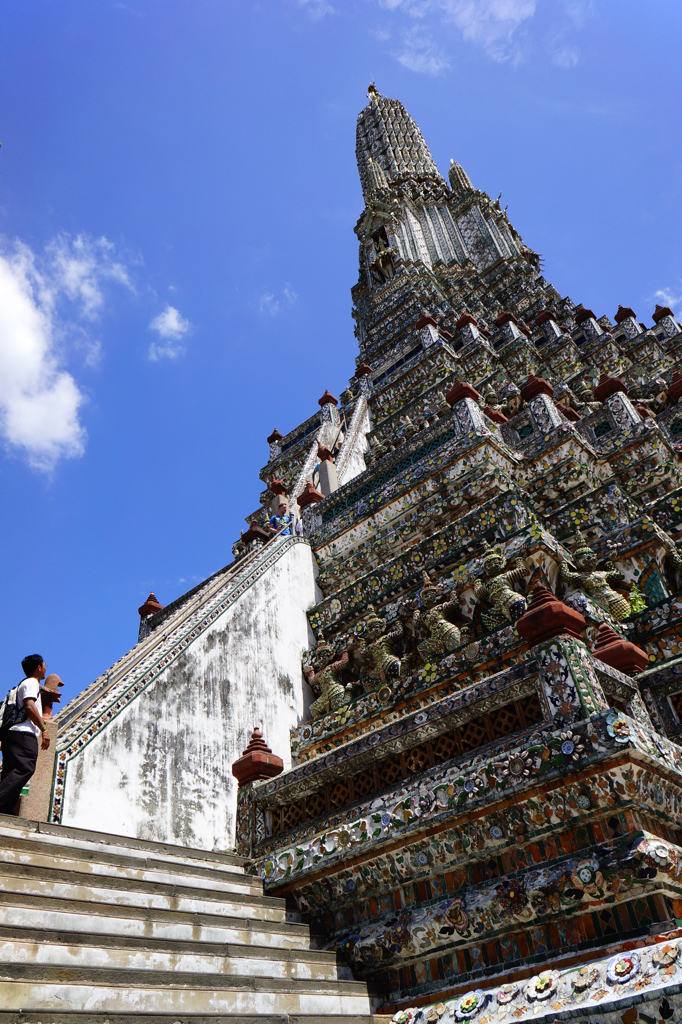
(484, 813)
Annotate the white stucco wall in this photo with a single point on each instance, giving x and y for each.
(161, 769)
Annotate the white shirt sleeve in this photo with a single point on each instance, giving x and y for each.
(29, 688)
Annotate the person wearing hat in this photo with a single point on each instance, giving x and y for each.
(20, 742)
(49, 694)
(281, 523)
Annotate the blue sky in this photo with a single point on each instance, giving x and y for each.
(177, 198)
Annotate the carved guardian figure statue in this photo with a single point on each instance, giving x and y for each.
(497, 586)
(322, 677)
(595, 582)
(375, 647)
(444, 636)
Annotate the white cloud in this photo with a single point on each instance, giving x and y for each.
(579, 11)
(317, 8)
(170, 326)
(270, 305)
(566, 56)
(419, 53)
(39, 402)
(39, 398)
(78, 267)
(665, 297)
(488, 23)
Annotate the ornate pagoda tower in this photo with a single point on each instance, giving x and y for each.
(483, 812)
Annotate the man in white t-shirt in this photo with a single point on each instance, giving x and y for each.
(20, 742)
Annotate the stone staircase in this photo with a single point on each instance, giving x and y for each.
(97, 928)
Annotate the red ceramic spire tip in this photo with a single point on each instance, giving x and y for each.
(150, 606)
(461, 390)
(547, 617)
(613, 650)
(608, 386)
(257, 761)
(309, 496)
(536, 386)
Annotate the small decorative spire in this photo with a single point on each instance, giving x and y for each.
(624, 313)
(150, 607)
(424, 319)
(460, 183)
(675, 389)
(255, 532)
(257, 761)
(548, 617)
(309, 496)
(608, 386)
(617, 652)
(277, 486)
(660, 312)
(536, 386)
(275, 437)
(327, 399)
(323, 453)
(461, 390)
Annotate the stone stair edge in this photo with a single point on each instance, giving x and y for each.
(105, 858)
(66, 905)
(150, 944)
(100, 1017)
(124, 842)
(141, 901)
(127, 980)
(140, 885)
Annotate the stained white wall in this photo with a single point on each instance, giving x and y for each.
(161, 770)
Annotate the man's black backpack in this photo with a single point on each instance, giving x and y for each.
(9, 712)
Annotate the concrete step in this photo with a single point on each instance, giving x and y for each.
(47, 988)
(53, 869)
(78, 838)
(59, 949)
(75, 916)
(142, 895)
(88, 1017)
(101, 929)
(98, 861)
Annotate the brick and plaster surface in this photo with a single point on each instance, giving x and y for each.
(155, 763)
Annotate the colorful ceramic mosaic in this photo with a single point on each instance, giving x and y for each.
(490, 780)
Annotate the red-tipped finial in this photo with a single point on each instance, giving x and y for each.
(309, 496)
(548, 617)
(150, 607)
(327, 399)
(257, 761)
(619, 653)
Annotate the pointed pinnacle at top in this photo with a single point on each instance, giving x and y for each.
(389, 146)
(150, 606)
(460, 182)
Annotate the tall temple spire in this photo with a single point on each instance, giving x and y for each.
(390, 146)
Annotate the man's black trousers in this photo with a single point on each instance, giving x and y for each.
(19, 756)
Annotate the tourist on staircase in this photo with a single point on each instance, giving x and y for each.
(20, 738)
(281, 523)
